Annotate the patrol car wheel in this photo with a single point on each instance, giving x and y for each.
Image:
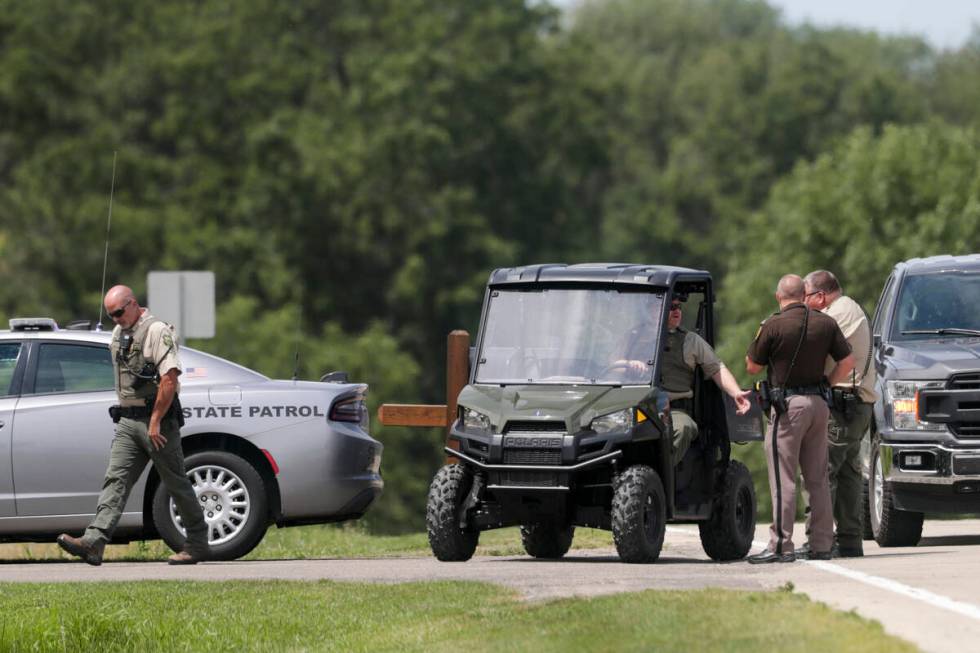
(891, 526)
(545, 540)
(232, 496)
(450, 487)
(639, 515)
(728, 534)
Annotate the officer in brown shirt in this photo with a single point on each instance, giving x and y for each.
(798, 436)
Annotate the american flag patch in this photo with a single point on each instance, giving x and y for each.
(196, 372)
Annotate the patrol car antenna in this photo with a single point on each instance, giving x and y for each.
(299, 327)
(108, 226)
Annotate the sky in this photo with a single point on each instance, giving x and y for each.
(944, 23)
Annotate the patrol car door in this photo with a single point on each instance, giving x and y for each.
(61, 443)
(9, 356)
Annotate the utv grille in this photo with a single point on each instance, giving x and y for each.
(532, 456)
(535, 427)
(529, 479)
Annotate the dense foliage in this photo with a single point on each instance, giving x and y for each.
(352, 170)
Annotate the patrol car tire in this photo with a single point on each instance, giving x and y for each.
(241, 485)
(891, 526)
(639, 515)
(449, 542)
(547, 540)
(728, 534)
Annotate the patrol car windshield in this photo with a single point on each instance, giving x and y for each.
(570, 336)
(938, 305)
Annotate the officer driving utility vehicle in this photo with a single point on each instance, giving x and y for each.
(560, 427)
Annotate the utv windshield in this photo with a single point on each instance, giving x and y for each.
(941, 304)
(560, 335)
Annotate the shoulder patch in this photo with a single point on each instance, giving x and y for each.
(168, 339)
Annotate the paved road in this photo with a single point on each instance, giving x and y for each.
(927, 594)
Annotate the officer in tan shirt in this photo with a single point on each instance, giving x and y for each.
(144, 358)
(683, 351)
(850, 413)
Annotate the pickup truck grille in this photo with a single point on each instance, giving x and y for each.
(964, 382)
(957, 406)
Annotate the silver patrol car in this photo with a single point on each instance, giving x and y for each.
(258, 451)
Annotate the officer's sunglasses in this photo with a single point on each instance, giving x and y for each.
(675, 306)
(118, 313)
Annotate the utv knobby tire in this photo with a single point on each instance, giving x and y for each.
(728, 534)
(639, 515)
(891, 526)
(545, 540)
(449, 543)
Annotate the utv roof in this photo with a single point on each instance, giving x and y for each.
(940, 263)
(628, 273)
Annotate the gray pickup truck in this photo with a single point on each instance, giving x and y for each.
(923, 453)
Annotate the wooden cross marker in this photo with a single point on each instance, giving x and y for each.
(457, 374)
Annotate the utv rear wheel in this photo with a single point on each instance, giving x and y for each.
(891, 526)
(728, 534)
(449, 489)
(545, 540)
(639, 515)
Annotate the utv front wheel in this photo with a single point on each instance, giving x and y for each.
(728, 534)
(449, 489)
(546, 540)
(639, 515)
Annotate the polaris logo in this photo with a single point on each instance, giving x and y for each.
(536, 442)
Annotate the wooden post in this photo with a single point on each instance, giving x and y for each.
(457, 375)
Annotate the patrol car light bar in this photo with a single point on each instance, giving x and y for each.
(33, 324)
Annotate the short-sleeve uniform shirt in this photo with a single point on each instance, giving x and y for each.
(160, 346)
(854, 325)
(779, 336)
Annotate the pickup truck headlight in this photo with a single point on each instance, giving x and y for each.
(903, 398)
(475, 421)
(621, 420)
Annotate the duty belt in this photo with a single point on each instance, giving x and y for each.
(686, 404)
(131, 412)
(804, 390)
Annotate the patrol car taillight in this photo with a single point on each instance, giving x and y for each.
(350, 409)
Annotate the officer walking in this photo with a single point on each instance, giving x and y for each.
(794, 344)
(850, 411)
(148, 420)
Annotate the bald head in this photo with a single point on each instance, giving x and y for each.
(121, 305)
(118, 295)
(790, 289)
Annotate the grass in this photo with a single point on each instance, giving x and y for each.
(310, 542)
(443, 616)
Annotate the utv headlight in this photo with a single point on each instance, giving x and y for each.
(903, 399)
(621, 420)
(475, 421)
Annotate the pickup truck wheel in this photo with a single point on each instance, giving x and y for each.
(449, 542)
(233, 499)
(728, 534)
(546, 540)
(639, 515)
(891, 526)
(866, 532)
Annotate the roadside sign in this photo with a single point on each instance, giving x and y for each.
(184, 299)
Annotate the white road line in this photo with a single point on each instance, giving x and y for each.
(935, 600)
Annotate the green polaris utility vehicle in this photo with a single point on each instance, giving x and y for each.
(560, 427)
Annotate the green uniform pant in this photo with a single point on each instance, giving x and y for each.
(131, 450)
(844, 437)
(685, 430)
